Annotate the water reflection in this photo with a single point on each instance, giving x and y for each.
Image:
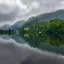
(42, 46)
(6, 39)
(13, 53)
(49, 42)
(12, 38)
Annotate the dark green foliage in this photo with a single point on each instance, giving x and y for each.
(45, 32)
(7, 32)
(55, 32)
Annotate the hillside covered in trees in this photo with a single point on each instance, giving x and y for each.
(44, 32)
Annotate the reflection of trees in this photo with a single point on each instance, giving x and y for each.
(56, 41)
(7, 32)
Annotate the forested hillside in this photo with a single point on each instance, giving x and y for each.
(44, 32)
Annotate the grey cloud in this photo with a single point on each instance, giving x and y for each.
(8, 16)
(14, 53)
(17, 13)
(10, 13)
(27, 2)
(45, 6)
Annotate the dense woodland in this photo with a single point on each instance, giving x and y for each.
(45, 32)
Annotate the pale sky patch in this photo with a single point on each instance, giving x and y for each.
(35, 4)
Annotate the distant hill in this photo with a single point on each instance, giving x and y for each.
(5, 27)
(45, 17)
(17, 25)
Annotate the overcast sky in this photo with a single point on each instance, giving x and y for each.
(12, 10)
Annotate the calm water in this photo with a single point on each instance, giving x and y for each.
(45, 47)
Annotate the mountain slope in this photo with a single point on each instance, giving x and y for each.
(45, 17)
(17, 25)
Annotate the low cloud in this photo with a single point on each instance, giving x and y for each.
(6, 15)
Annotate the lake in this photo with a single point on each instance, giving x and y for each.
(44, 46)
(16, 50)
